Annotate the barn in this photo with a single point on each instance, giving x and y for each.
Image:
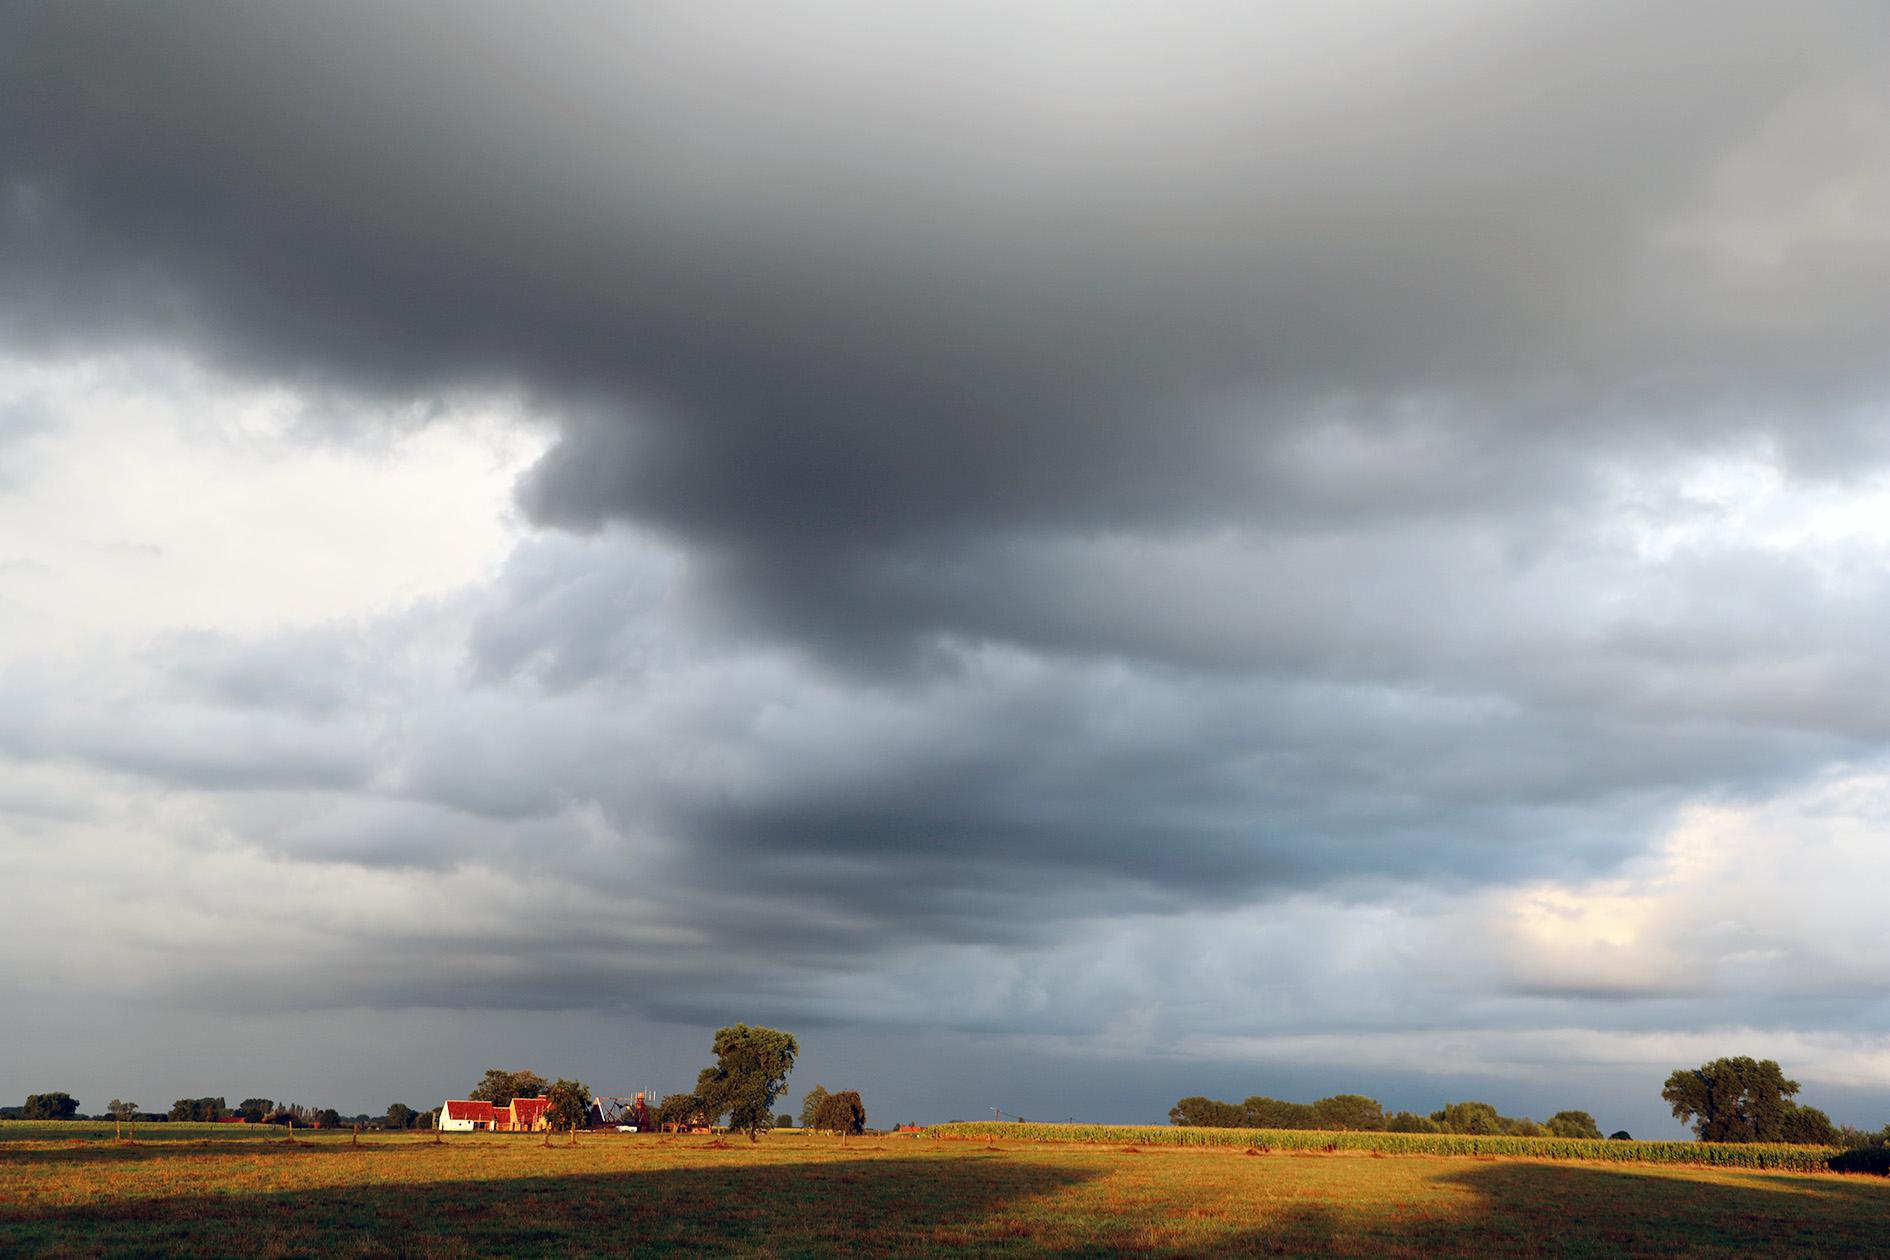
(465, 1115)
(525, 1115)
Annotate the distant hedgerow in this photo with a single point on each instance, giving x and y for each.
(1758, 1155)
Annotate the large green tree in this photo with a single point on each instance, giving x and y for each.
(1349, 1111)
(1573, 1124)
(570, 1105)
(199, 1109)
(810, 1105)
(500, 1086)
(1732, 1100)
(1261, 1112)
(254, 1109)
(1207, 1113)
(1411, 1122)
(680, 1110)
(57, 1105)
(1807, 1126)
(1469, 1117)
(751, 1070)
(842, 1113)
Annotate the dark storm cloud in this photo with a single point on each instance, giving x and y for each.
(821, 274)
(995, 801)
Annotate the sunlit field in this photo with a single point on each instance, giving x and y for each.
(200, 1192)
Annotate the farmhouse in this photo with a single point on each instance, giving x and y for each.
(469, 1115)
(463, 1115)
(526, 1115)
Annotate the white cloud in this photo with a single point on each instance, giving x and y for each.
(156, 497)
(1770, 901)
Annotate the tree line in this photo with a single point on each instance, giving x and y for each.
(1357, 1112)
(1736, 1099)
(739, 1089)
(60, 1105)
(256, 1111)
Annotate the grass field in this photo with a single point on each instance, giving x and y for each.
(211, 1192)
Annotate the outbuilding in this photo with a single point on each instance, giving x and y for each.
(465, 1115)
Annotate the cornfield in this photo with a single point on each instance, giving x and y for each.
(1755, 1155)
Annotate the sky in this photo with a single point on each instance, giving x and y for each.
(1070, 555)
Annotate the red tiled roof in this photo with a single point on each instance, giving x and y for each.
(468, 1109)
(526, 1108)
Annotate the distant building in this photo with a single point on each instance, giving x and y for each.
(465, 1115)
(525, 1115)
(469, 1115)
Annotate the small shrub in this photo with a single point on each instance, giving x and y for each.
(1863, 1159)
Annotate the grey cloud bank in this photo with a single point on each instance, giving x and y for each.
(1165, 532)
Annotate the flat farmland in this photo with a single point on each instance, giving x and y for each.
(65, 1192)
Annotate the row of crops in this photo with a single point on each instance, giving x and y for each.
(1719, 1154)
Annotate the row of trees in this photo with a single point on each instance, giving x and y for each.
(1481, 1117)
(253, 1110)
(750, 1071)
(59, 1105)
(401, 1116)
(1358, 1112)
(1737, 1099)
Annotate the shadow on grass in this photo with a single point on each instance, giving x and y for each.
(1591, 1210)
(102, 1153)
(855, 1207)
(975, 1204)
